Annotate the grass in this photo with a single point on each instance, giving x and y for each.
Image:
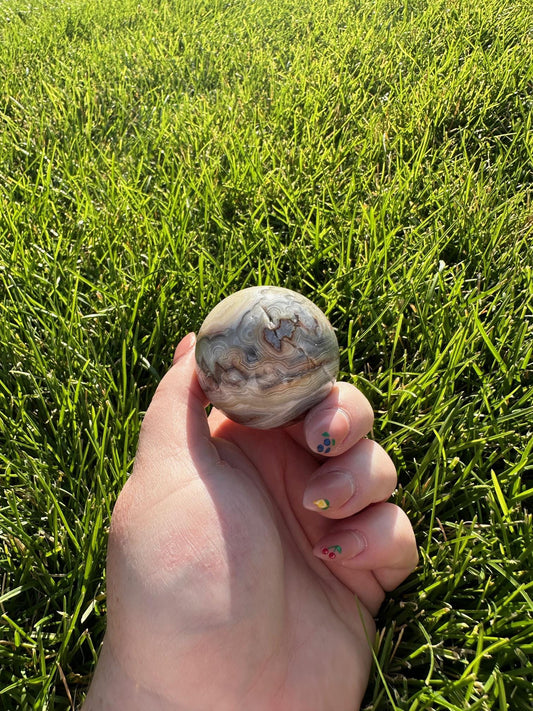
(375, 155)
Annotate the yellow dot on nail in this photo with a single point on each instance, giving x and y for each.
(321, 503)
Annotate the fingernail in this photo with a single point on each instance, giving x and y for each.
(330, 490)
(184, 346)
(342, 546)
(330, 430)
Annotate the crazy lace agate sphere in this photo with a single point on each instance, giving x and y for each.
(265, 355)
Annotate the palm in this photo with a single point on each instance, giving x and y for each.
(215, 598)
(241, 579)
(279, 464)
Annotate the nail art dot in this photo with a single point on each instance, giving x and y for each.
(321, 503)
(327, 443)
(331, 551)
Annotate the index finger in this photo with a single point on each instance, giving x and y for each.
(337, 423)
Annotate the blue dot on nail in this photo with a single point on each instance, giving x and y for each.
(327, 450)
(327, 442)
(320, 448)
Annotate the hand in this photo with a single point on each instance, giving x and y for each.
(225, 593)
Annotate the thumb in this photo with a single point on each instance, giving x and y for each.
(175, 443)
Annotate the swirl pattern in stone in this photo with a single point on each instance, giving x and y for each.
(265, 355)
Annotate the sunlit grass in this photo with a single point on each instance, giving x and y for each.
(376, 156)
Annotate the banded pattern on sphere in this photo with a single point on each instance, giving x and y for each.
(265, 355)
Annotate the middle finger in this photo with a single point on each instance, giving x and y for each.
(347, 484)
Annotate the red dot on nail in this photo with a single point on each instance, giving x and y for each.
(332, 555)
(325, 551)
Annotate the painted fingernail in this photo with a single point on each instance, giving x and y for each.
(329, 431)
(342, 546)
(330, 490)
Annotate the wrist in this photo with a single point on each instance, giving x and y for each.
(112, 689)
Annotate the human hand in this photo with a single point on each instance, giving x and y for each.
(224, 592)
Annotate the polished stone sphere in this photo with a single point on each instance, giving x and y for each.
(265, 355)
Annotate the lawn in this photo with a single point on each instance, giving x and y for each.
(376, 156)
